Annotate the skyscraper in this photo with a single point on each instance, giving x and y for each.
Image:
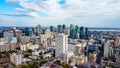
(76, 32)
(26, 31)
(86, 34)
(81, 36)
(63, 27)
(61, 45)
(30, 32)
(39, 29)
(51, 29)
(72, 31)
(106, 49)
(111, 51)
(59, 28)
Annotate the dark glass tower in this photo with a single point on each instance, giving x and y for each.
(86, 34)
(26, 31)
(51, 29)
(81, 34)
(63, 27)
(72, 31)
(76, 32)
(59, 28)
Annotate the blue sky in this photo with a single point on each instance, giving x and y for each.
(95, 13)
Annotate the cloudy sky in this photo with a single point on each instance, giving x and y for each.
(89, 13)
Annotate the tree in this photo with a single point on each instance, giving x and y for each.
(65, 65)
(57, 62)
(44, 61)
(27, 55)
(40, 53)
(30, 50)
(17, 48)
(25, 66)
(0, 55)
(32, 64)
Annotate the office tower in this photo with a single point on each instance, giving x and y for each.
(106, 49)
(1, 34)
(72, 31)
(111, 51)
(61, 45)
(63, 27)
(86, 33)
(59, 28)
(51, 29)
(16, 58)
(39, 29)
(76, 32)
(26, 31)
(30, 32)
(81, 36)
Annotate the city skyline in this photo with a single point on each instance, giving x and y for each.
(53, 12)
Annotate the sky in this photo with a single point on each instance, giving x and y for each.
(88, 13)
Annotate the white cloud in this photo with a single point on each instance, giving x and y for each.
(78, 11)
(13, 1)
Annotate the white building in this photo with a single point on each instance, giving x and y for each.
(67, 56)
(4, 46)
(25, 47)
(106, 49)
(61, 45)
(39, 29)
(16, 58)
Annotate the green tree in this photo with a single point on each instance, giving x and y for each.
(57, 62)
(27, 54)
(32, 64)
(44, 61)
(25, 66)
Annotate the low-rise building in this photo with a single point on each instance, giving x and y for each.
(16, 58)
(79, 59)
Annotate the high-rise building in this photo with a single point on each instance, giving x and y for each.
(76, 32)
(39, 29)
(72, 31)
(61, 45)
(1, 34)
(106, 49)
(81, 36)
(59, 28)
(86, 33)
(30, 32)
(63, 27)
(26, 31)
(51, 29)
(111, 51)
